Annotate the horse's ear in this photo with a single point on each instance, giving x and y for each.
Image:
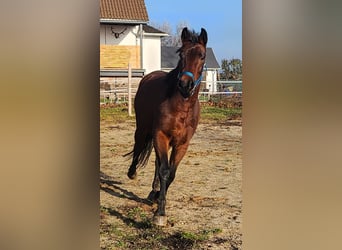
(185, 35)
(203, 37)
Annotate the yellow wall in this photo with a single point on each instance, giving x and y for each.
(118, 56)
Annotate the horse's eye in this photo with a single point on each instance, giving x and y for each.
(202, 56)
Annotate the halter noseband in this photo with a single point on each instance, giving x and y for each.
(188, 73)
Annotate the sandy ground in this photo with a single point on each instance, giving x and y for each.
(206, 193)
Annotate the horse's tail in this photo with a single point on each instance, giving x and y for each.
(144, 155)
(140, 156)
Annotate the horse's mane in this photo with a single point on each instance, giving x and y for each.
(171, 79)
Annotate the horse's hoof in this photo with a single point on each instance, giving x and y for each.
(132, 176)
(159, 220)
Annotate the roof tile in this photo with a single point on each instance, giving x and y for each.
(123, 10)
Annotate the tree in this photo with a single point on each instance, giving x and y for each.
(173, 40)
(231, 69)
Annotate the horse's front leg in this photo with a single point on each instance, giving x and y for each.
(177, 155)
(161, 144)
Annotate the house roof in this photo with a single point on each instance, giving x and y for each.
(128, 11)
(169, 58)
(152, 30)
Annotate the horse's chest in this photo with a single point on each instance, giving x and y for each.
(183, 129)
(178, 125)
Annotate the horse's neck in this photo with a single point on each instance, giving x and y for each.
(173, 74)
(186, 104)
(194, 98)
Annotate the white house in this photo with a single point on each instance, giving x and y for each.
(125, 38)
(152, 48)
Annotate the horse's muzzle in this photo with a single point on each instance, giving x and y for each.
(186, 88)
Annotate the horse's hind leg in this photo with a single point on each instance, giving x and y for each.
(132, 171)
(139, 145)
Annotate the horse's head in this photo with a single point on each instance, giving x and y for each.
(192, 59)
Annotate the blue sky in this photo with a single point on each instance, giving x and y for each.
(221, 18)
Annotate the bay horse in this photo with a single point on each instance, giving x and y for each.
(167, 113)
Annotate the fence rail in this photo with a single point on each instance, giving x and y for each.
(120, 94)
(217, 91)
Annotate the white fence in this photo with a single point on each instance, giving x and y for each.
(121, 94)
(224, 88)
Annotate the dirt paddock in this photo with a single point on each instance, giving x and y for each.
(204, 202)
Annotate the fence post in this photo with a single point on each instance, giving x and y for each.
(129, 90)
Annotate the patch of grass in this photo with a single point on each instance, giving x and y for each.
(137, 218)
(115, 113)
(212, 231)
(151, 237)
(188, 240)
(120, 244)
(103, 209)
(200, 236)
(212, 113)
(119, 113)
(111, 235)
(137, 214)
